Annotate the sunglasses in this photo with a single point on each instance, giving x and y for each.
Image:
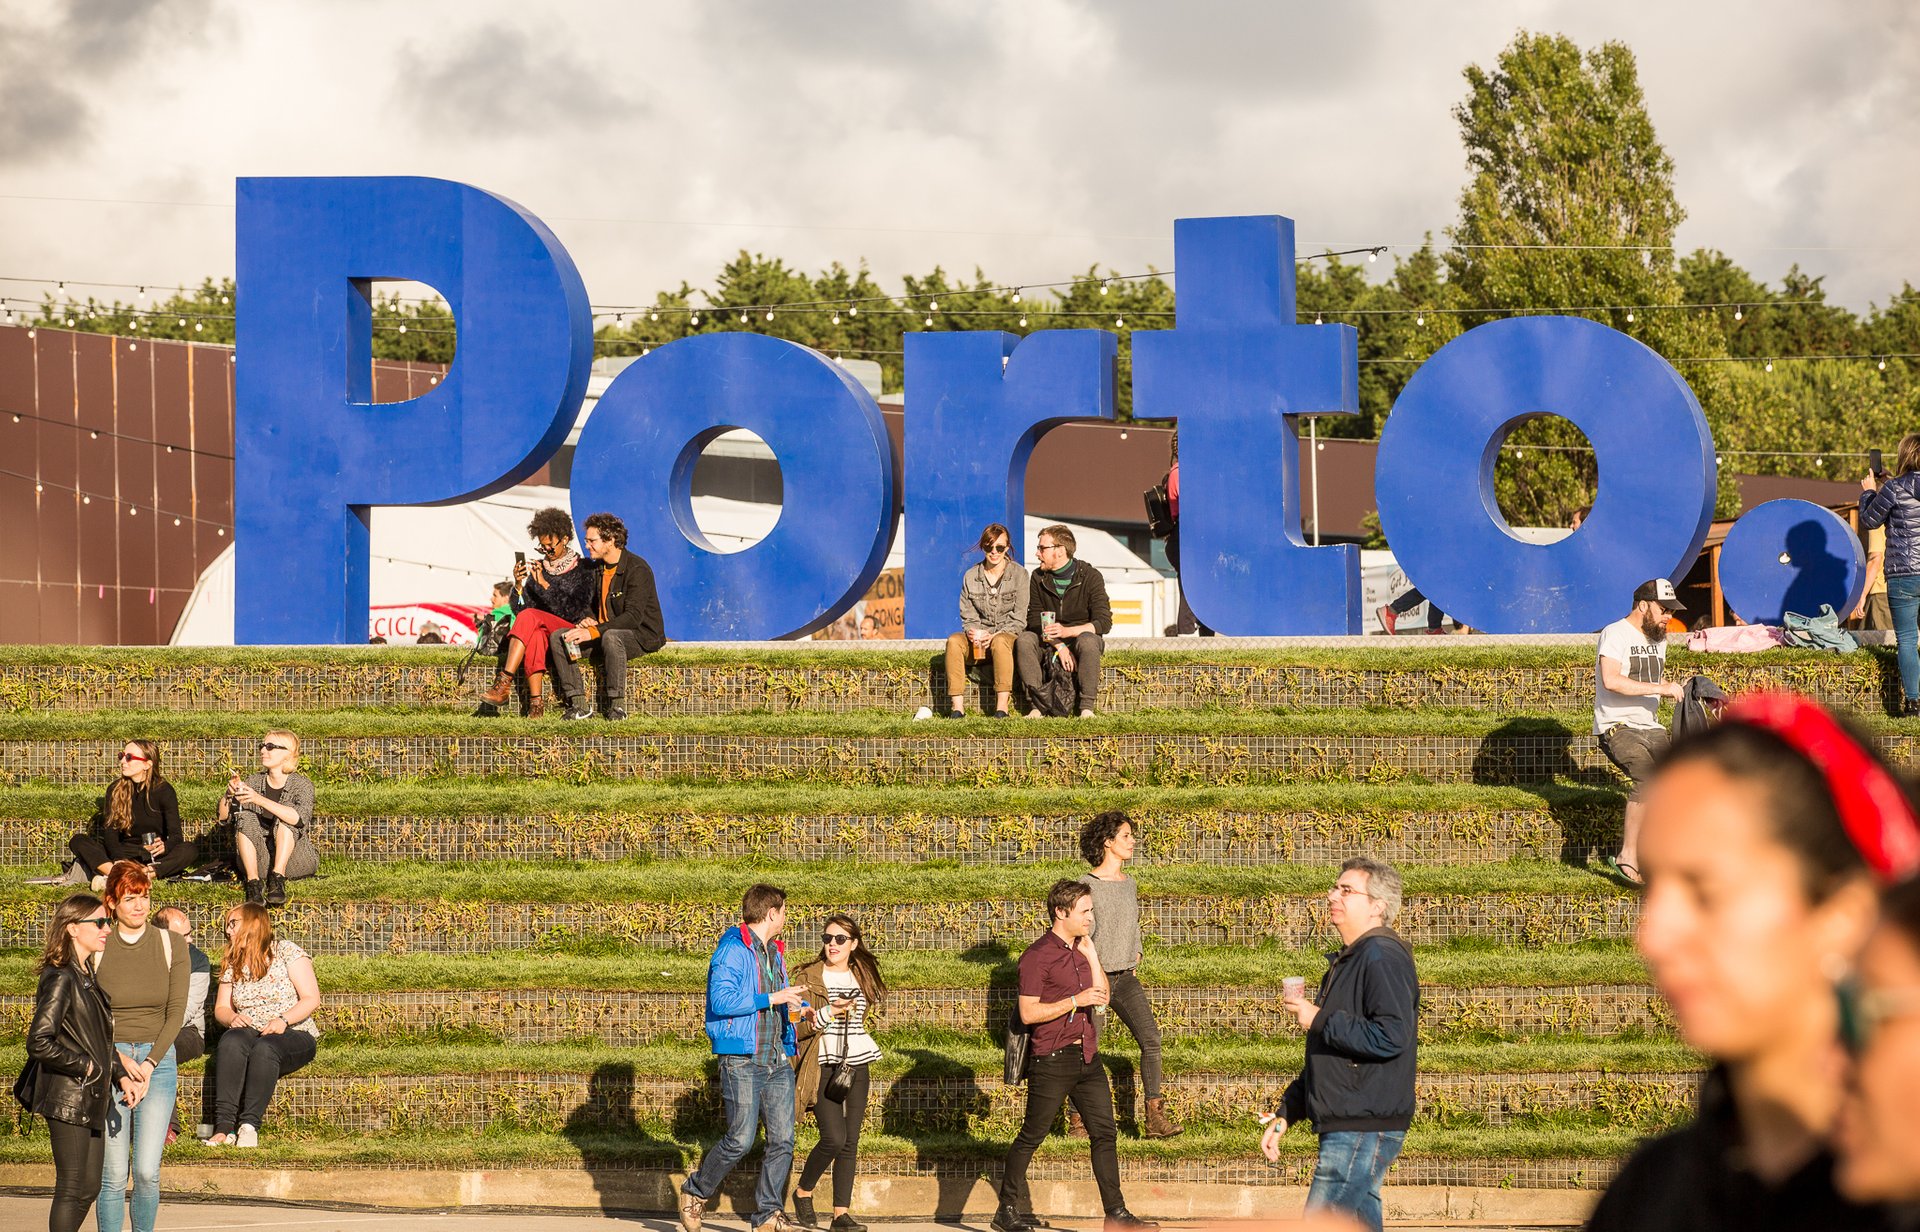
(132, 757)
(98, 921)
(268, 744)
(998, 549)
(1862, 1011)
(836, 938)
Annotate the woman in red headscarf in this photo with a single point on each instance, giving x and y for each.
(1762, 844)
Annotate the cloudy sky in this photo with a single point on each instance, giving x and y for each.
(1030, 138)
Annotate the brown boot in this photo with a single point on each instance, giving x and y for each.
(1159, 1124)
(496, 697)
(536, 695)
(1076, 1128)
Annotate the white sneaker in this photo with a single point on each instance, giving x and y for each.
(248, 1136)
(1035, 713)
(1086, 714)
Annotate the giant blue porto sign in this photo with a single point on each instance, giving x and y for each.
(314, 454)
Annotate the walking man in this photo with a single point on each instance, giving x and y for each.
(753, 1038)
(1060, 984)
(1357, 1086)
(1630, 669)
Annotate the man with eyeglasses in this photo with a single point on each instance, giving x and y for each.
(1357, 1085)
(626, 621)
(1067, 614)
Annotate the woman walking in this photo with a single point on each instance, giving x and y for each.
(1107, 843)
(71, 1063)
(267, 998)
(272, 812)
(845, 987)
(1895, 504)
(138, 819)
(145, 976)
(552, 594)
(993, 611)
(1760, 848)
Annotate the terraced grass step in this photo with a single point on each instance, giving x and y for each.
(1210, 825)
(1572, 1156)
(685, 681)
(370, 909)
(620, 1018)
(925, 1084)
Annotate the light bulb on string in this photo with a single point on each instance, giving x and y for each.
(1769, 365)
(1106, 286)
(653, 316)
(619, 317)
(769, 314)
(1119, 322)
(1316, 318)
(143, 293)
(183, 322)
(929, 321)
(200, 325)
(1883, 365)
(933, 305)
(852, 311)
(1023, 321)
(693, 319)
(1421, 319)
(223, 299)
(403, 327)
(1373, 254)
(1737, 314)
(1629, 316)
(1016, 295)
(836, 316)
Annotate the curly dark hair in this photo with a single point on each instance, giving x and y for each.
(609, 527)
(551, 522)
(1097, 833)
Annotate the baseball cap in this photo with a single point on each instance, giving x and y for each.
(1660, 591)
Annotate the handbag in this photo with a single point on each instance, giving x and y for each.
(23, 1086)
(1018, 1052)
(1159, 510)
(840, 1081)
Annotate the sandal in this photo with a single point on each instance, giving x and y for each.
(1625, 872)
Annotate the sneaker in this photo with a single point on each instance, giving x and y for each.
(999, 714)
(1388, 618)
(615, 712)
(98, 884)
(276, 895)
(692, 1211)
(249, 1136)
(1086, 714)
(1120, 1219)
(846, 1223)
(577, 711)
(803, 1212)
(1035, 713)
(956, 714)
(254, 892)
(777, 1222)
(219, 1139)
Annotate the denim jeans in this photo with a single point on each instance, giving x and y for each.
(1903, 596)
(752, 1092)
(138, 1136)
(1348, 1173)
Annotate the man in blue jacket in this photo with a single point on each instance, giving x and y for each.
(747, 1020)
(1357, 1086)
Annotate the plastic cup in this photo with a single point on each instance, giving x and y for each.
(1293, 987)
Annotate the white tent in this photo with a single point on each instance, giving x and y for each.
(427, 555)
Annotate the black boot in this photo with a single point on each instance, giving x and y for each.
(276, 890)
(1006, 1219)
(253, 891)
(1120, 1219)
(803, 1212)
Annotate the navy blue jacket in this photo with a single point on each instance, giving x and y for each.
(1361, 1048)
(1897, 504)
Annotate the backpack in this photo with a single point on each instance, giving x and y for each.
(1058, 691)
(1822, 632)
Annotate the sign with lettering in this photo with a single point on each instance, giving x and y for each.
(314, 453)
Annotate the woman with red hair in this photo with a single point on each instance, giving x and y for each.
(145, 977)
(267, 998)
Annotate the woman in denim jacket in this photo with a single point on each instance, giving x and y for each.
(993, 610)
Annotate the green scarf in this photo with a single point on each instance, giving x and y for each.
(1060, 579)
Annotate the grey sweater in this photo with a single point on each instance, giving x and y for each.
(1116, 921)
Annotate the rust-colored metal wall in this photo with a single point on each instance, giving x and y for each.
(116, 479)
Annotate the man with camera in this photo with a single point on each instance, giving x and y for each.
(625, 621)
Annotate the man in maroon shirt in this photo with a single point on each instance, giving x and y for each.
(1059, 988)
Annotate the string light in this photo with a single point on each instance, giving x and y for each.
(769, 314)
(1421, 319)
(933, 305)
(1883, 365)
(1106, 286)
(653, 316)
(836, 316)
(1016, 295)
(1629, 316)
(1023, 320)
(1316, 318)
(1119, 323)
(1769, 365)
(1737, 314)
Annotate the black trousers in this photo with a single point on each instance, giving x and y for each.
(839, 1144)
(1051, 1081)
(247, 1067)
(92, 853)
(79, 1156)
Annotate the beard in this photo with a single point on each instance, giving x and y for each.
(1655, 627)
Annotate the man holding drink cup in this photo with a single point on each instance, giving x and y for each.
(751, 1010)
(1357, 1085)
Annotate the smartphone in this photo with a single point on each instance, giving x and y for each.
(519, 558)
(1874, 462)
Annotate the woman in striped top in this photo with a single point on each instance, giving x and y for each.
(844, 986)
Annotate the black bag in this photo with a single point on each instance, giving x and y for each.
(23, 1085)
(1018, 1053)
(1058, 690)
(839, 1081)
(1159, 510)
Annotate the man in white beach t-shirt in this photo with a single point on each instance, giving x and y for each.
(1630, 671)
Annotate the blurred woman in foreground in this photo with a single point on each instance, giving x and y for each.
(1760, 848)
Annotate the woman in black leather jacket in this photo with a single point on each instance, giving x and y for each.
(72, 1058)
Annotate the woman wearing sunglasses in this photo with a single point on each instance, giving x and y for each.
(1760, 845)
(993, 610)
(844, 986)
(137, 819)
(146, 979)
(71, 1062)
(1880, 1024)
(272, 812)
(267, 998)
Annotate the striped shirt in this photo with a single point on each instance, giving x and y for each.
(860, 1046)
